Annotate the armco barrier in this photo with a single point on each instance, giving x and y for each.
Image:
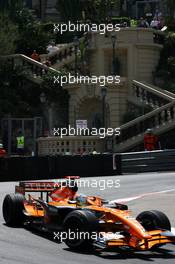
(152, 161)
(87, 165)
(36, 168)
(54, 167)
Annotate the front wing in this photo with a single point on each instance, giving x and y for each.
(158, 237)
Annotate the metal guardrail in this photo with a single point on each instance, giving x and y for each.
(148, 161)
(56, 167)
(48, 167)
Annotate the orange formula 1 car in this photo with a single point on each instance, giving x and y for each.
(84, 220)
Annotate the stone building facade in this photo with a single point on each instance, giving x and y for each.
(137, 51)
(138, 56)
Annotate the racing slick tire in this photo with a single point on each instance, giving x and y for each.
(154, 219)
(81, 225)
(13, 209)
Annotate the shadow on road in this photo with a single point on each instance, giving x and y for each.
(116, 254)
(121, 254)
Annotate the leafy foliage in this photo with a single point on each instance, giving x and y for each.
(11, 6)
(53, 91)
(32, 35)
(20, 32)
(171, 7)
(166, 67)
(19, 97)
(94, 10)
(8, 35)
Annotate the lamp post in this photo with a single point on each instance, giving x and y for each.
(43, 98)
(103, 94)
(44, 101)
(113, 39)
(76, 45)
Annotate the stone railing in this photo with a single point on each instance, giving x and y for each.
(69, 145)
(64, 55)
(127, 35)
(160, 120)
(146, 94)
(61, 56)
(32, 69)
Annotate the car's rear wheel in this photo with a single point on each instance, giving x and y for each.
(154, 219)
(13, 206)
(80, 226)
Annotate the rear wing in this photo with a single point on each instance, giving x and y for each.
(25, 187)
(44, 186)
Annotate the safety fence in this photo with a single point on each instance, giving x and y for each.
(56, 167)
(148, 161)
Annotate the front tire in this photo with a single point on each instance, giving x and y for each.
(154, 219)
(13, 206)
(82, 224)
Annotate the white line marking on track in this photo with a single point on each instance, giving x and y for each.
(128, 199)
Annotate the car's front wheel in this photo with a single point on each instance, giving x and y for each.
(154, 219)
(80, 227)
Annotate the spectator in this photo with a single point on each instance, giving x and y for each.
(150, 140)
(35, 56)
(52, 48)
(154, 23)
(2, 151)
(47, 62)
(143, 23)
(133, 23)
(20, 143)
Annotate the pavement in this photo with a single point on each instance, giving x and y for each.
(142, 191)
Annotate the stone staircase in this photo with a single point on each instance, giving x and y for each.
(32, 69)
(65, 55)
(143, 94)
(61, 57)
(161, 119)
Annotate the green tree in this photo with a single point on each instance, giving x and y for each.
(69, 10)
(33, 37)
(20, 32)
(32, 34)
(11, 6)
(54, 92)
(166, 68)
(19, 97)
(8, 35)
(95, 10)
(171, 7)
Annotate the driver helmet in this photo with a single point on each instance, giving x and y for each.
(81, 200)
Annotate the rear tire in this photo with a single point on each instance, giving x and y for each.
(13, 206)
(83, 224)
(154, 219)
